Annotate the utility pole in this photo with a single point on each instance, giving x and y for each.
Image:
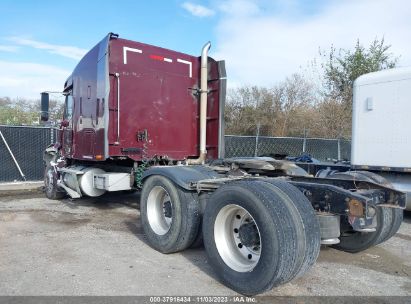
(305, 140)
(256, 139)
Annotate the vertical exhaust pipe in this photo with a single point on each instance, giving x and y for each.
(203, 106)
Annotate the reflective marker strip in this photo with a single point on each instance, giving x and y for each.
(157, 57)
(125, 49)
(189, 64)
(160, 58)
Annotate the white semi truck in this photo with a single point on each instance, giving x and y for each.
(381, 126)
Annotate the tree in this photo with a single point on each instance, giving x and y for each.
(342, 68)
(275, 111)
(18, 112)
(26, 112)
(295, 95)
(56, 110)
(240, 112)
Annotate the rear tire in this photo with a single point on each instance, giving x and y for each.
(304, 215)
(252, 237)
(397, 218)
(50, 184)
(397, 214)
(388, 219)
(356, 241)
(198, 241)
(170, 215)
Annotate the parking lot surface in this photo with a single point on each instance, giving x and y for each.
(96, 246)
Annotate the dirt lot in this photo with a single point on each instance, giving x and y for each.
(97, 247)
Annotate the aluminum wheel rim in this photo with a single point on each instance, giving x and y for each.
(238, 257)
(157, 200)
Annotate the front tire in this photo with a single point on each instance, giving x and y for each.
(170, 215)
(50, 184)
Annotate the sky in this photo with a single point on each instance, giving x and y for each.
(262, 41)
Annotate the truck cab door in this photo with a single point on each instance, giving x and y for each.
(67, 126)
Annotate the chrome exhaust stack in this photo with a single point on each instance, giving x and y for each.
(203, 106)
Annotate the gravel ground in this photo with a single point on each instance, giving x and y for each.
(97, 247)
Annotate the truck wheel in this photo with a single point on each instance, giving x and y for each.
(251, 236)
(170, 215)
(397, 214)
(50, 184)
(305, 217)
(387, 218)
(397, 218)
(355, 241)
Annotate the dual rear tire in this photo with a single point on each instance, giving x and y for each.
(257, 234)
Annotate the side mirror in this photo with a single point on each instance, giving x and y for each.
(44, 116)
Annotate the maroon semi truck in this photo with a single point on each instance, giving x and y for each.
(140, 117)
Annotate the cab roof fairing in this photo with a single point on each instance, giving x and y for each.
(386, 75)
(69, 81)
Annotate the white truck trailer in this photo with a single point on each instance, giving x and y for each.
(381, 126)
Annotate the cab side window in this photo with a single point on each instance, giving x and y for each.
(68, 109)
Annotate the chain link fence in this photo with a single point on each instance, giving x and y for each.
(21, 152)
(319, 148)
(26, 145)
